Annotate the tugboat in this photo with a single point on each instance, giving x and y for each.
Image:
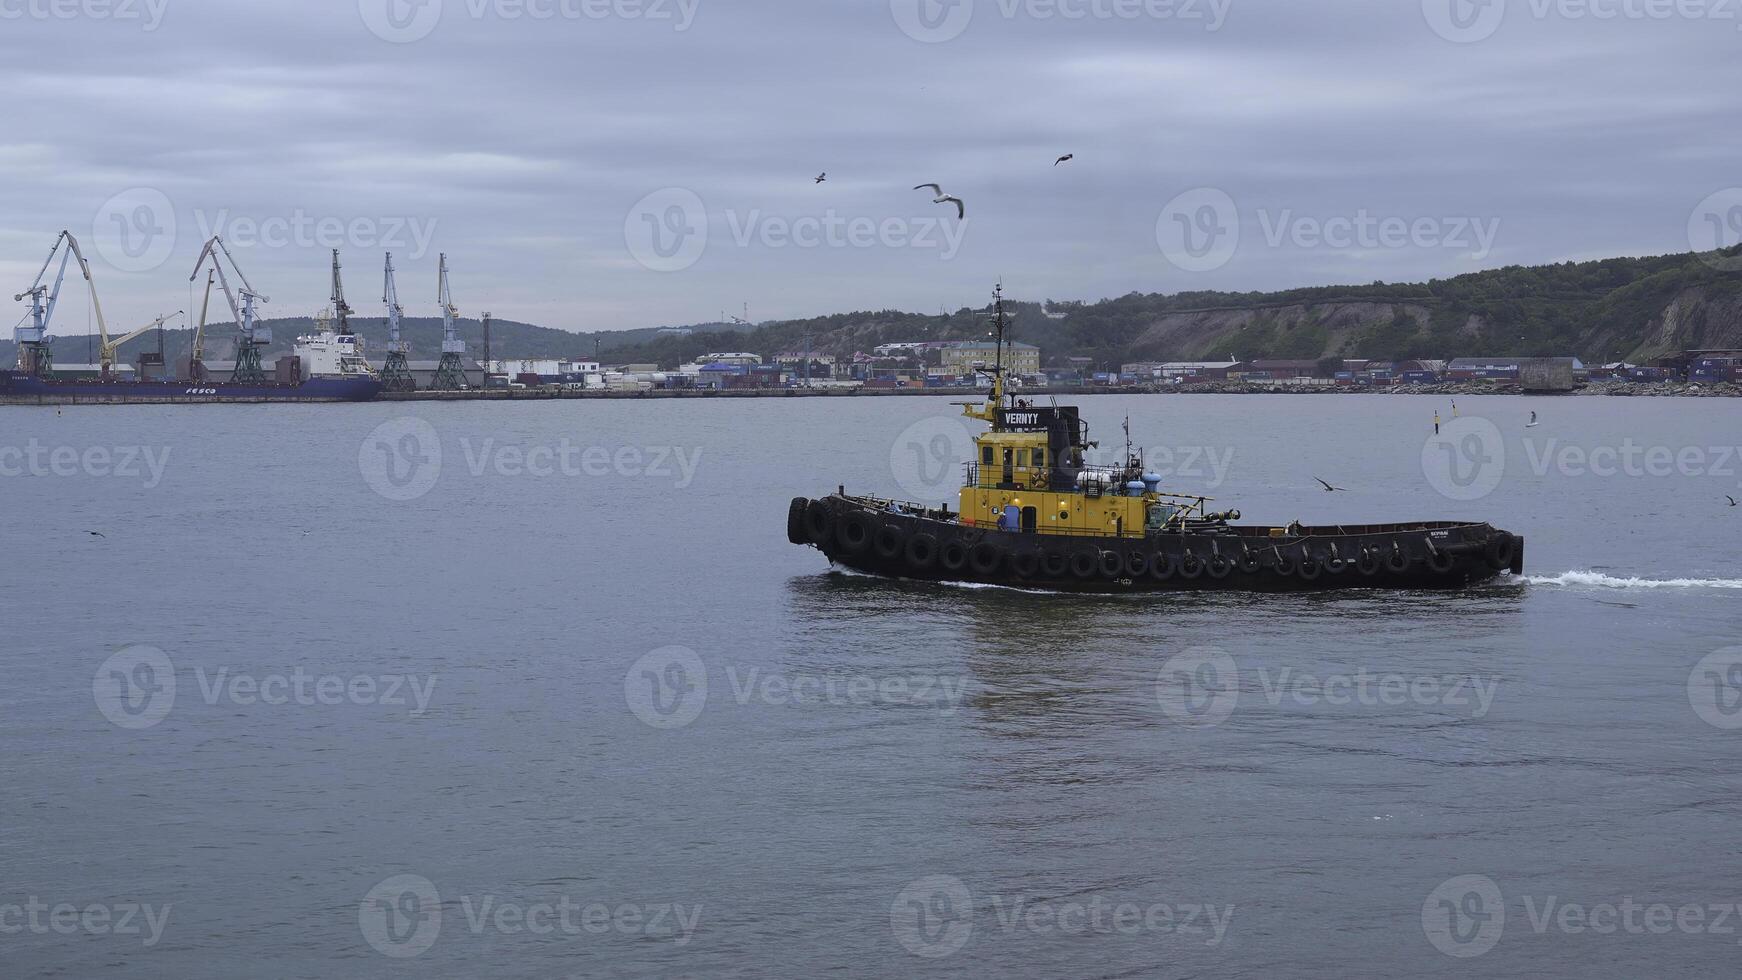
(1034, 515)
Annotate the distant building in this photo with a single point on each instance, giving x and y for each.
(963, 358)
(739, 358)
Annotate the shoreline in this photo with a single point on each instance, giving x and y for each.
(1621, 389)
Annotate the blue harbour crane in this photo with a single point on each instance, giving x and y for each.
(451, 373)
(396, 373)
(34, 354)
(251, 334)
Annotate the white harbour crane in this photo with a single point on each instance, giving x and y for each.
(34, 356)
(251, 335)
(451, 373)
(396, 373)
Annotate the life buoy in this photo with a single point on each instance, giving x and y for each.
(1369, 562)
(889, 540)
(1161, 566)
(1397, 561)
(1112, 566)
(1310, 569)
(819, 522)
(1085, 563)
(1440, 562)
(1025, 564)
(953, 555)
(1190, 565)
(853, 532)
(985, 558)
(1219, 566)
(1055, 564)
(1249, 562)
(922, 550)
(1136, 564)
(795, 531)
(1335, 564)
(1285, 565)
(1501, 548)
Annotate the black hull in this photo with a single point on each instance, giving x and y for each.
(862, 536)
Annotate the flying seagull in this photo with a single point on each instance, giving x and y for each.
(96, 534)
(1331, 489)
(1067, 156)
(822, 176)
(942, 198)
(1731, 499)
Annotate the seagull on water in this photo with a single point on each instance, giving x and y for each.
(1067, 156)
(1331, 489)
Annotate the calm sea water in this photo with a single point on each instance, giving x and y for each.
(564, 702)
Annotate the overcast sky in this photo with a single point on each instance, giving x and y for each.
(627, 163)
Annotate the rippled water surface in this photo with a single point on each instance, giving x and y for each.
(565, 702)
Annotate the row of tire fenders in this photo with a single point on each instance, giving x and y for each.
(860, 531)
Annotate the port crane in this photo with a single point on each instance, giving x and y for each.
(396, 373)
(451, 373)
(251, 334)
(34, 356)
(109, 347)
(197, 358)
(341, 309)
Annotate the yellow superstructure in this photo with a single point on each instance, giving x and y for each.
(1028, 474)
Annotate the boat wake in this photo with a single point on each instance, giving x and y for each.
(1599, 580)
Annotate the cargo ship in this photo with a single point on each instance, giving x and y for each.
(326, 367)
(1033, 514)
